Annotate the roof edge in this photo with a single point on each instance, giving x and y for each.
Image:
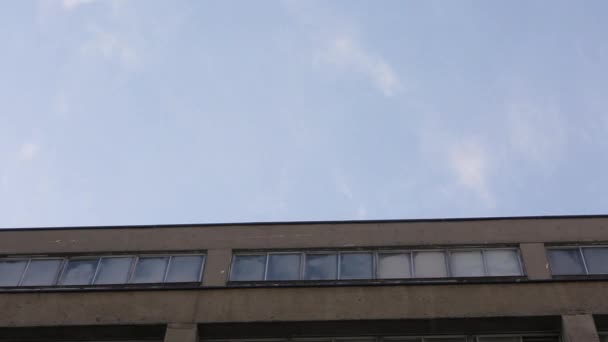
(275, 223)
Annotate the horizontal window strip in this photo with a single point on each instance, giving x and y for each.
(376, 264)
(101, 270)
(578, 260)
(434, 338)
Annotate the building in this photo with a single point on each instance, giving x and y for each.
(527, 279)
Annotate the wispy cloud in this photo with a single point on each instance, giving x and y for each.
(69, 5)
(28, 151)
(346, 53)
(469, 162)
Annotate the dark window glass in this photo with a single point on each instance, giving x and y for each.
(566, 261)
(41, 272)
(356, 266)
(185, 268)
(248, 267)
(502, 262)
(79, 272)
(113, 270)
(596, 259)
(150, 270)
(320, 267)
(11, 271)
(283, 267)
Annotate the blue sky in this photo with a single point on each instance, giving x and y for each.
(153, 112)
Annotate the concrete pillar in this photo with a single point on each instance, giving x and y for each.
(535, 261)
(217, 266)
(579, 328)
(181, 332)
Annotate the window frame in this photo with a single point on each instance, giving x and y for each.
(580, 254)
(65, 259)
(375, 253)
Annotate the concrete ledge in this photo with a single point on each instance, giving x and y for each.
(303, 304)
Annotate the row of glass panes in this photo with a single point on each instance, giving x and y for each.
(375, 265)
(578, 260)
(479, 338)
(101, 270)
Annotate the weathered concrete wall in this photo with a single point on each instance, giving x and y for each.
(303, 304)
(418, 233)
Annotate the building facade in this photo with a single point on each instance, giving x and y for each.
(528, 279)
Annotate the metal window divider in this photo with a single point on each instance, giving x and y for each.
(27, 266)
(265, 275)
(132, 268)
(486, 272)
(167, 266)
(62, 267)
(582, 255)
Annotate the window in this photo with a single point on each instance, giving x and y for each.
(184, 269)
(41, 272)
(383, 264)
(113, 270)
(430, 264)
(394, 265)
(11, 271)
(100, 270)
(502, 262)
(150, 270)
(79, 272)
(248, 267)
(582, 260)
(283, 267)
(466, 263)
(321, 266)
(356, 266)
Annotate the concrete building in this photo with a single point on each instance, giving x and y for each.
(527, 279)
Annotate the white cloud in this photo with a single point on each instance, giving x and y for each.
(69, 5)
(469, 162)
(28, 151)
(345, 53)
(110, 47)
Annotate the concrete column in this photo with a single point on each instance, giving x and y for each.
(579, 328)
(217, 266)
(181, 332)
(535, 261)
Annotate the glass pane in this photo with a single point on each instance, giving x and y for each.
(186, 268)
(79, 272)
(248, 267)
(502, 262)
(11, 271)
(150, 270)
(604, 338)
(356, 266)
(444, 339)
(283, 267)
(430, 264)
(113, 270)
(499, 339)
(41, 272)
(596, 259)
(320, 266)
(466, 264)
(394, 265)
(566, 261)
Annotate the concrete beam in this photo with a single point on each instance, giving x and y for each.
(181, 332)
(217, 267)
(579, 328)
(534, 257)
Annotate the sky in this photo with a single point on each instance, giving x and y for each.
(117, 112)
